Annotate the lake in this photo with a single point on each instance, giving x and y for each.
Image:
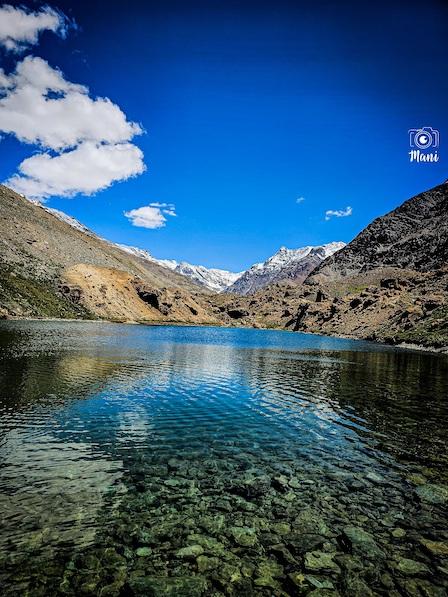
(186, 461)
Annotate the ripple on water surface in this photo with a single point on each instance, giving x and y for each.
(190, 461)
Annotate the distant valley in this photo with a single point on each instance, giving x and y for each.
(286, 264)
(389, 284)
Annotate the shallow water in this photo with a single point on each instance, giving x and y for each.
(204, 461)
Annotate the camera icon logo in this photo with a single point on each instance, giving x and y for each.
(424, 138)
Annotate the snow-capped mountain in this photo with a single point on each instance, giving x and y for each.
(286, 264)
(169, 263)
(213, 279)
(60, 215)
(66, 218)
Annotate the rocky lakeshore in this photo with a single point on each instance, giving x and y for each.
(192, 526)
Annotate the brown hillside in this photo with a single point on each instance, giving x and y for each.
(50, 268)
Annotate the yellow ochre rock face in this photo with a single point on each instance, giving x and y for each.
(110, 293)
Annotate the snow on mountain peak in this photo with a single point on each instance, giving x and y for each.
(285, 264)
(60, 215)
(213, 279)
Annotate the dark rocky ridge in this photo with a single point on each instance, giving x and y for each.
(413, 236)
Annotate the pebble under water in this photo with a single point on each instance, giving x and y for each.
(174, 461)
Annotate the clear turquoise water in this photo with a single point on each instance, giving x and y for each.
(207, 461)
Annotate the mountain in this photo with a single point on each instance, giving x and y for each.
(286, 264)
(65, 218)
(216, 280)
(51, 265)
(413, 236)
(390, 284)
(213, 279)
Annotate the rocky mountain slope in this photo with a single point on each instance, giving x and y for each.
(390, 284)
(286, 264)
(414, 236)
(390, 305)
(50, 266)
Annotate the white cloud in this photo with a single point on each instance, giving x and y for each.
(151, 216)
(20, 27)
(338, 213)
(89, 138)
(86, 169)
(300, 199)
(168, 208)
(38, 105)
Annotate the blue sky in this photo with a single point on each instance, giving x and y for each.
(247, 106)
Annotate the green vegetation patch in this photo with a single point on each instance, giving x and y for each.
(431, 331)
(26, 297)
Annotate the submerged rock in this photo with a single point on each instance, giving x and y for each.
(228, 574)
(267, 581)
(354, 586)
(191, 551)
(301, 543)
(323, 593)
(143, 552)
(252, 484)
(432, 494)
(357, 541)
(206, 563)
(310, 522)
(398, 533)
(209, 544)
(244, 536)
(281, 528)
(212, 524)
(321, 561)
(410, 567)
(269, 568)
(319, 583)
(164, 586)
(435, 548)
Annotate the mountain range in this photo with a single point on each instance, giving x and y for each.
(286, 264)
(216, 280)
(51, 265)
(389, 284)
